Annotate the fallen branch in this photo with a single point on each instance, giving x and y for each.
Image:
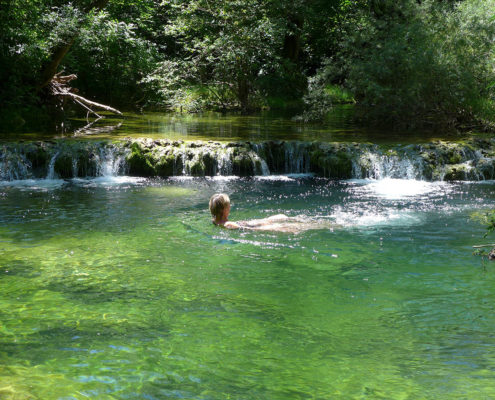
(89, 110)
(89, 103)
(483, 245)
(59, 88)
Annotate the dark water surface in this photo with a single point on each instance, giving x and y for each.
(121, 288)
(338, 126)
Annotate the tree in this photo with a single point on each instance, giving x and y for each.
(416, 64)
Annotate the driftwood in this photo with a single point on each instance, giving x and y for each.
(59, 88)
(483, 245)
(89, 103)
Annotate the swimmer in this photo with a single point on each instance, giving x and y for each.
(220, 210)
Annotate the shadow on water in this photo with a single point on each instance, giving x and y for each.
(269, 125)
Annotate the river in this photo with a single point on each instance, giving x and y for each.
(119, 287)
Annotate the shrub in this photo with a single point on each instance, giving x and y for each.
(411, 64)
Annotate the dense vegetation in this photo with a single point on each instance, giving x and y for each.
(404, 63)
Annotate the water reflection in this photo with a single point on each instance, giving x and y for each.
(268, 125)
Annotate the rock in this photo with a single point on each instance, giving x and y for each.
(335, 165)
(63, 166)
(165, 166)
(140, 162)
(87, 164)
(210, 164)
(243, 165)
(486, 168)
(458, 172)
(197, 168)
(37, 156)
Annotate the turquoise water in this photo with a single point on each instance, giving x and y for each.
(121, 288)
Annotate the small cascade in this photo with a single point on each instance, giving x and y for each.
(14, 165)
(378, 165)
(64, 159)
(264, 168)
(74, 167)
(184, 163)
(258, 150)
(51, 166)
(297, 158)
(110, 162)
(224, 164)
(283, 157)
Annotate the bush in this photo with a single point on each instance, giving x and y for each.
(414, 65)
(111, 61)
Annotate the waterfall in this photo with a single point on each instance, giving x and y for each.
(377, 165)
(224, 164)
(14, 165)
(65, 159)
(296, 157)
(51, 166)
(258, 150)
(111, 163)
(264, 167)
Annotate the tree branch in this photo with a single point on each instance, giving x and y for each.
(89, 103)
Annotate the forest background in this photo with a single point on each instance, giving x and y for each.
(405, 64)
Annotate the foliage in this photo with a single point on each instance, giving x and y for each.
(405, 63)
(486, 218)
(323, 95)
(111, 59)
(227, 47)
(412, 64)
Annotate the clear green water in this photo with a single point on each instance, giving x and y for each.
(232, 127)
(122, 289)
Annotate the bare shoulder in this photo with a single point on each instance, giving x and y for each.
(231, 225)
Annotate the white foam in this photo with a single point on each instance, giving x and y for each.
(282, 178)
(110, 180)
(223, 178)
(369, 218)
(181, 178)
(399, 188)
(36, 184)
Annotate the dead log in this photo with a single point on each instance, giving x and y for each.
(63, 79)
(52, 65)
(59, 88)
(89, 103)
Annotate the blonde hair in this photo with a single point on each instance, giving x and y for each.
(218, 203)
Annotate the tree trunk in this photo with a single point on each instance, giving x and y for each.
(51, 67)
(292, 40)
(59, 52)
(243, 95)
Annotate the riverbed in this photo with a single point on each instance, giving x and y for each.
(120, 287)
